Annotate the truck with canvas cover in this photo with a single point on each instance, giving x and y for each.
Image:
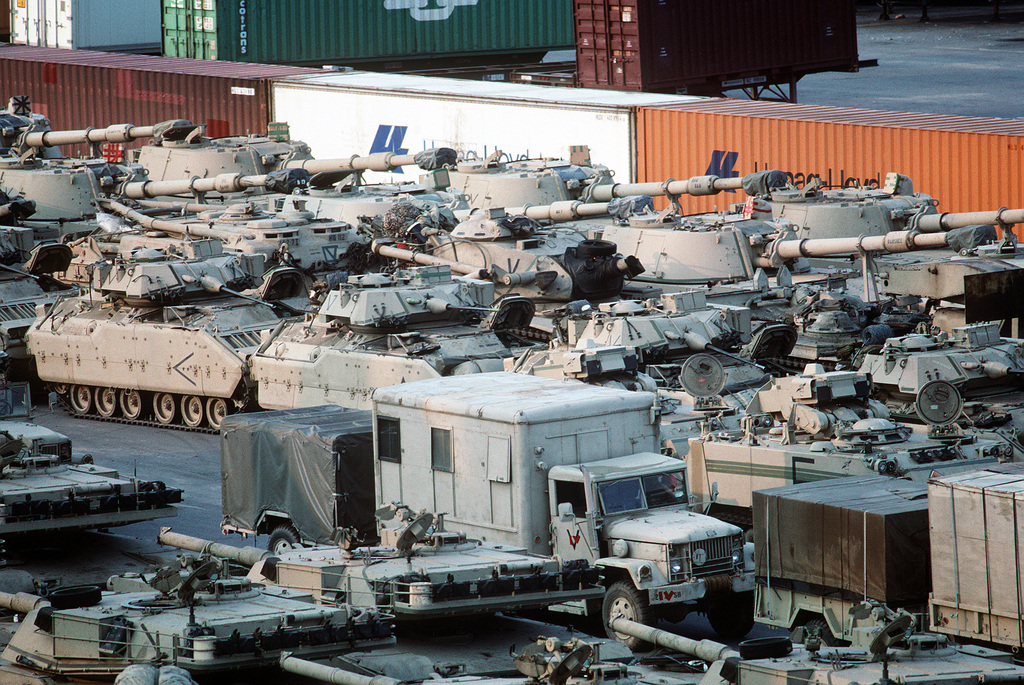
(569, 470)
(838, 556)
(301, 476)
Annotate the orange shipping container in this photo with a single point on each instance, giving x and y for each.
(966, 163)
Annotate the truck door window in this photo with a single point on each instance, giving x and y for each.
(664, 489)
(621, 495)
(389, 444)
(574, 494)
(441, 449)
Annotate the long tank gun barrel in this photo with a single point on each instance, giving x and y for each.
(21, 602)
(706, 650)
(172, 227)
(222, 183)
(118, 133)
(330, 674)
(893, 242)
(385, 249)
(564, 210)
(696, 186)
(930, 223)
(243, 555)
(379, 161)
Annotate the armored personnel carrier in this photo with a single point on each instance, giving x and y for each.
(822, 425)
(419, 570)
(43, 489)
(204, 621)
(378, 330)
(168, 338)
(986, 373)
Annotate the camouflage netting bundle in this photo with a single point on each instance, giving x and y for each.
(970, 237)
(436, 158)
(624, 207)
(405, 220)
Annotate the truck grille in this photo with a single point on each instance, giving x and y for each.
(717, 553)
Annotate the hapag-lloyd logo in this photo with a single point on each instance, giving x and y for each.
(427, 10)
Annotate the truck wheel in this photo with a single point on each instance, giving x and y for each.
(818, 626)
(732, 616)
(283, 539)
(622, 599)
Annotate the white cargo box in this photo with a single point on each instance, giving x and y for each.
(342, 114)
(479, 446)
(976, 525)
(117, 25)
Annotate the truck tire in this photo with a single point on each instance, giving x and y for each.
(765, 648)
(732, 615)
(622, 599)
(283, 539)
(818, 626)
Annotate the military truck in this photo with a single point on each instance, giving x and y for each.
(568, 469)
(837, 556)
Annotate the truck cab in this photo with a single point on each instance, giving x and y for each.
(633, 517)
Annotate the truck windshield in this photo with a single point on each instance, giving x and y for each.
(631, 494)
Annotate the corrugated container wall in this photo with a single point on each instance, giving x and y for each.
(966, 163)
(78, 88)
(362, 31)
(696, 45)
(340, 114)
(87, 24)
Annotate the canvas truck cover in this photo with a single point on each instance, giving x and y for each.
(976, 524)
(294, 461)
(846, 537)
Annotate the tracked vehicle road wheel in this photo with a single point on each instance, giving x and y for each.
(80, 399)
(216, 410)
(191, 410)
(164, 408)
(106, 401)
(131, 404)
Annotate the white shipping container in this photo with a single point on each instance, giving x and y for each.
(87, 24)
(341, 114)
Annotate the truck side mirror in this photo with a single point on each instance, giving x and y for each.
(565, 511)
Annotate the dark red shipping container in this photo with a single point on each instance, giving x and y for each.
(76, 89)
(708, 46)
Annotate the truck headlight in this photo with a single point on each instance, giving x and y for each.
(676, 566)
(737, 556)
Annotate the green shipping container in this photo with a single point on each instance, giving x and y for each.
(361, 32)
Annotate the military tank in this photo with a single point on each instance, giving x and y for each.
(820, 425)
(986, 373)
(419, 571)
(204, 622)
(64, 190)
(882, 654)
(160, 336)
(44, 488)
(379, 329)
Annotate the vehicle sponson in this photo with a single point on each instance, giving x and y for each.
(379, 330)
(227, 624)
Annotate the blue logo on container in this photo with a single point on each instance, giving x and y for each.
(722, 163)
(389, 139)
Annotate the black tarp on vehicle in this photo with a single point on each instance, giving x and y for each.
(314, 464)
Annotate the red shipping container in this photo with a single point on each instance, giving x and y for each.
(77, 89)
(708, 46)
(967, 163)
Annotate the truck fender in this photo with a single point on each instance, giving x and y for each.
(640, 571)
(268, 520)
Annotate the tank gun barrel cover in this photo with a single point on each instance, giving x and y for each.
(330, 674)
(243, 555)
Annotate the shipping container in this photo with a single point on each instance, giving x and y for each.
(81, 88)
(710, 46)
(966, 163)
(976, 524)
(128, 25)
(361, 32)
(341, 114)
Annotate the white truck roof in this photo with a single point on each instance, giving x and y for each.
(513, 397)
